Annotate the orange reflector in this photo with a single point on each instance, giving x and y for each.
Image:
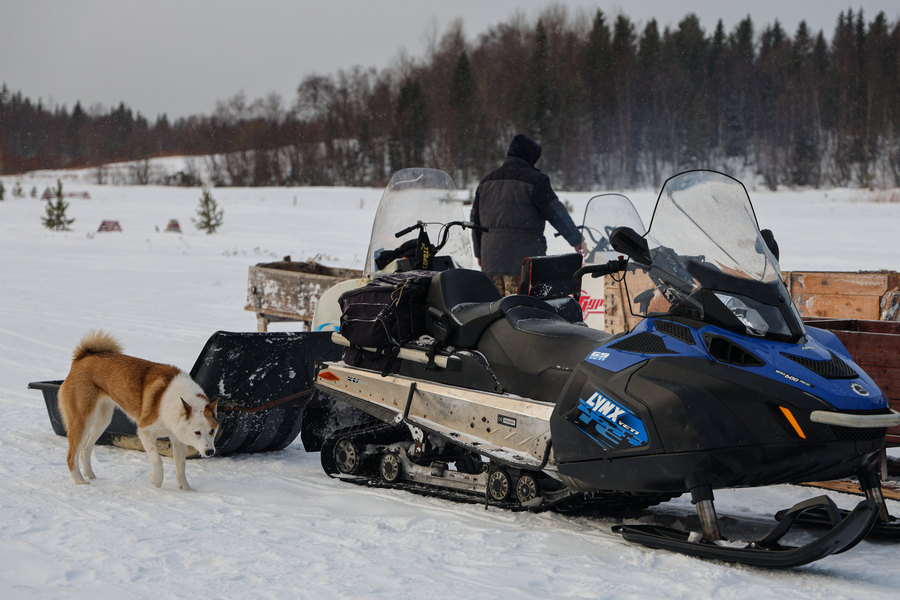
(329, 376)
(790, 417)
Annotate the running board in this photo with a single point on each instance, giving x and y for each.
(767, 552)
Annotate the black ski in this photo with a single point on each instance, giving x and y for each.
(766, 552)
(818, 518)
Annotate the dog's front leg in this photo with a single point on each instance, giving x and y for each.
(156, 467)
(179, 450)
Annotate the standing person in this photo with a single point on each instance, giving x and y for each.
(514, 202)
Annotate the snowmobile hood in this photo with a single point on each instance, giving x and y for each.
(821, 366)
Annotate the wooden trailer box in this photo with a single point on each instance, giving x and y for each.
(868, 295)
(290, 291)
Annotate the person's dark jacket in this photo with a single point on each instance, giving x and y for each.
(514, 202)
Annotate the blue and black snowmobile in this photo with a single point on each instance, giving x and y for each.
(515, 401)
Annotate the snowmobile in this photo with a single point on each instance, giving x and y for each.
(514, 401)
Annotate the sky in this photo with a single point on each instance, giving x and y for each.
(180, 58)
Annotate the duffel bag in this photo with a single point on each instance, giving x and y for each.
(386, 312)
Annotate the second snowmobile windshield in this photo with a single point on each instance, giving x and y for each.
(413, 195)
(707, 255)
(603, 213)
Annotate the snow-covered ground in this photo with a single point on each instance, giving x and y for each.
(274, 525)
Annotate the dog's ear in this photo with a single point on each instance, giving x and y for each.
(211, 407)
(187, 409)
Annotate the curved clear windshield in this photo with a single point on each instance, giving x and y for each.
(602, 214)
(710, 262)
(413, 195)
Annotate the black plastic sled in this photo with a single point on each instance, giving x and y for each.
(263, 382)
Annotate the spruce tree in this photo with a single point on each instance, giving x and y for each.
(209, 212)
(55, 218)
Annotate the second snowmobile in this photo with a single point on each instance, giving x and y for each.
(515, 401)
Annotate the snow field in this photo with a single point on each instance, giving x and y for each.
(274, 525)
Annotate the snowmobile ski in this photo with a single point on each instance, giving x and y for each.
(818, 518)
(766, 552)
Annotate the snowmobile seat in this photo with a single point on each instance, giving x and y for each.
(462, 303)
(532, 352)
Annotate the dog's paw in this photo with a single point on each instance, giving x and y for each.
(82, 482)
(185, 487)
(156, 480)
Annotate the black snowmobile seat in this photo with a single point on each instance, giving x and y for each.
(462, 303)
(533, 352)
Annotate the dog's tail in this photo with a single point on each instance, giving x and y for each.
(96, 342)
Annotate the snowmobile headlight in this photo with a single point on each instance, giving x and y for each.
(759, 319)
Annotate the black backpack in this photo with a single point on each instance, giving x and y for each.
(386, 312)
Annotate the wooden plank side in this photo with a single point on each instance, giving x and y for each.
(838, 306)
(867, 326)
(851, 486)
(889, 360)
(618, 311)
(890, 327)
(832, 324)
(869, 343)
(286, 294)
(872, 283)
(886, 379)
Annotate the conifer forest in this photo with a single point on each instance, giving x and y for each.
(614, 104)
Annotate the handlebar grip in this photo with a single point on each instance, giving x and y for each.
(472, 225)
(585, 270)
(613, 266)
(408, 229)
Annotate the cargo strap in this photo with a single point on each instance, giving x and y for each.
(272, 404)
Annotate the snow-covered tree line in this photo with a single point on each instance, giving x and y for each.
(614, 105)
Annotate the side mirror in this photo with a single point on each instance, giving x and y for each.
(769, 238)
(627, 241)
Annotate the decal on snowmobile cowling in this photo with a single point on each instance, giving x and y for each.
(609, 423)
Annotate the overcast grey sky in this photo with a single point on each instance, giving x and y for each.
(180, 57)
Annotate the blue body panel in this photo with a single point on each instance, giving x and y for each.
(843, 394)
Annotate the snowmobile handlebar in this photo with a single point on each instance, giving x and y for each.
(447, 226)
(614, 266)
(418, 225)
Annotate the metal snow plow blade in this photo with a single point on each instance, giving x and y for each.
(508, 429)
(848, 531)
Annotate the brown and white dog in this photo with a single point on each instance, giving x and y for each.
(163, 400)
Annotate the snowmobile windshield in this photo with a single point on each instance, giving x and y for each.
(414, 195)
(710, 262)
(602, 214)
